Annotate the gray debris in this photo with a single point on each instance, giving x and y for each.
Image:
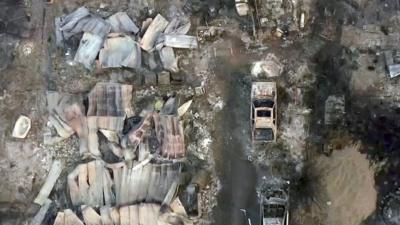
(156, 27)
(271, 66)
(170, 106)
(40, 215)
(150, 78)
(145, 24)
(168, 59)
(54, 173)
(394, 70)
(180, 41)
(392, 59)
(120, 51)
(72, 19)
(59, 34)
(92, 24)
(164, 78)
(121, 23)
(88, 49)
(178, 26)
(149, 59)
(389, 57)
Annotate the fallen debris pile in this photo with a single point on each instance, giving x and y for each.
(117, 41)
(109, 107)
(149, 151)
(271, 66)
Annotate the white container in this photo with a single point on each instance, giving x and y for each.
(21, 127)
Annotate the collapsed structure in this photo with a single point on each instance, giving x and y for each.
(146, 174)
(116, 42)
(140, 185)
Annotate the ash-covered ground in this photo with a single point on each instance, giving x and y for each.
(342, 161)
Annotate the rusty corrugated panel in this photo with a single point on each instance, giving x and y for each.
(135, 136)
(143, 214)
(170, 136)
(110, 103)
(90, 183)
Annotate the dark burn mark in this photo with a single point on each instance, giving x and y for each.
(14, 19)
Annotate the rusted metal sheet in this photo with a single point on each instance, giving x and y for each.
(109, 104)
(105, 214)
(180, 41)
(120, 51)
(110, 99)
(69, 21)
(60, 219)
(136, 214)
(170, 135)
(88, 49)
(156, 27)
(91, 184)
(168, 59)
(71, 218)
(90, 216)
(52, 177)
(178, 25)
(67, 113)
(92, 24)
(135, 136)
(81, 21)
(40, 215)
(59, 34)
(121, 23)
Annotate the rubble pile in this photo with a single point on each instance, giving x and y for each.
(117, 42)
(149, 150)
(294, 132)
(129, 164)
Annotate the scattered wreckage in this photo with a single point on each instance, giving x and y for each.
(278, 15)
(270, 66)
(392, 58)
(263, 111)
(117, 41)
(142, 186)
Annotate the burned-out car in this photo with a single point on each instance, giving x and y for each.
(274, 202)
(263, 111)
